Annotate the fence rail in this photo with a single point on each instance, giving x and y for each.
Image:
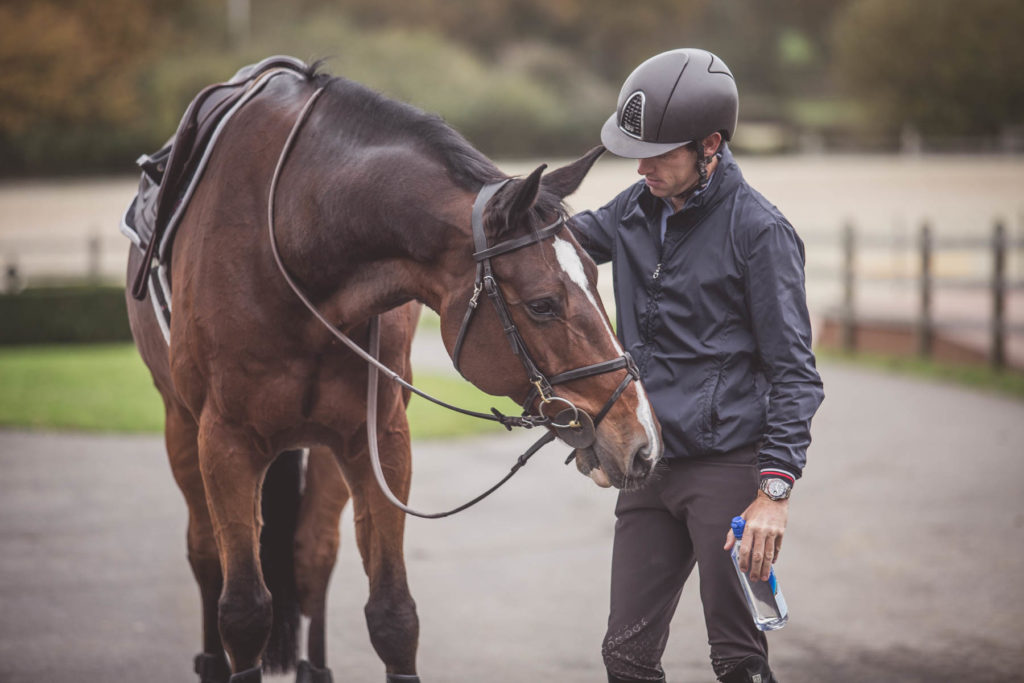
(842, 273)
(47, 259)
(923, 248)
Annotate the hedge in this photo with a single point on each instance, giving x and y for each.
(49, 315)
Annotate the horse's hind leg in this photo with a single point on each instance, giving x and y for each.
(390, 610)
(233, 471)
(181, 434)
(316, 550)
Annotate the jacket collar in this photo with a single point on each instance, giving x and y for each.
(726, 179)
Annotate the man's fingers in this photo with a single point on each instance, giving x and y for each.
(757, 552)
(744, 554)
(769, 558)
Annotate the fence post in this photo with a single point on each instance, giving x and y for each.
(12, 281)
(997, 354)
(94, 248)
(925, 327)
(848, 330)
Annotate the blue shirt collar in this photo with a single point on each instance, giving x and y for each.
(669, 209)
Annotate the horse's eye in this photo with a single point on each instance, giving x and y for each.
(542, 307)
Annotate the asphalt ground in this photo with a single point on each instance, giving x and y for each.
(903, 561)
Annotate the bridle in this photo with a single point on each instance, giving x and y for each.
(573, 425)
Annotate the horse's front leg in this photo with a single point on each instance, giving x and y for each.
(390, 610)
(232, 470)
(316, 550)
(181, 436)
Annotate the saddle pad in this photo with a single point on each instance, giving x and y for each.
(170, 176)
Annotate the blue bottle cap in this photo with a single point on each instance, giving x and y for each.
(737, 527)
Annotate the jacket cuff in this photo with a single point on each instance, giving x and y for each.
(775, 472)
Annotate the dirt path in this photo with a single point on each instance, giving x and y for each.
(902, 562)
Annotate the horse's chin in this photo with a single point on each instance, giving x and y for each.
(600, 478)
(588, 464)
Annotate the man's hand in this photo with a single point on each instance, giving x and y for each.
(762, 536)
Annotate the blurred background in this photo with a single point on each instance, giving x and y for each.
(891, 134)
(86, 85)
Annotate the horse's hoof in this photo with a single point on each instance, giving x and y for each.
(253, 675)
(212, 668)
(402, 678)
(307, 673)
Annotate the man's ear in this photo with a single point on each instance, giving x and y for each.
(712, 144)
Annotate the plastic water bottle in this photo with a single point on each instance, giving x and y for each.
(764, 598)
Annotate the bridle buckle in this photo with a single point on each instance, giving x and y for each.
(477, 288)
(543, 389)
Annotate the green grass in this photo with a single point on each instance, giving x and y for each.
(1005, 382)
(106, 388)
(95, 388)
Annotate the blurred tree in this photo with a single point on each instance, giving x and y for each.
(70, 61)
(610, 36)
(87, 84)
(938, 65)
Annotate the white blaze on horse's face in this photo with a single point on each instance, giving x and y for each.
(570, 262)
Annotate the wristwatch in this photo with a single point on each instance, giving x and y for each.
(776, 488)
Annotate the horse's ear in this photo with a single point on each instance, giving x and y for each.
(562, 182)
(525, 194)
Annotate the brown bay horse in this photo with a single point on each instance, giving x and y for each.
(373, 217)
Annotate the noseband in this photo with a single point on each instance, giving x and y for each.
(574, 426)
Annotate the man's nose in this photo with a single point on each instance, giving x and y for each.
(643, 166)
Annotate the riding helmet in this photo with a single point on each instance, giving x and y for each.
(670, 100)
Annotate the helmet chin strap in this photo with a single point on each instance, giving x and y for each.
(702, 167)
(702, 175)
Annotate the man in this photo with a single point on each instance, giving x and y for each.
(709, 288)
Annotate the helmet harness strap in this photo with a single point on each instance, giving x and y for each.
(702, 173)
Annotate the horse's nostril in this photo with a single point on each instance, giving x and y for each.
(641, 464)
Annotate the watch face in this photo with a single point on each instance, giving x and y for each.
(777, 488)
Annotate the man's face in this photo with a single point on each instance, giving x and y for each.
(671, 173)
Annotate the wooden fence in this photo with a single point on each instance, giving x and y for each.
(991, 290)
(47, 260)
(840, 269)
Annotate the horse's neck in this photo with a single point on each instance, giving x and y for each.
(381, 247)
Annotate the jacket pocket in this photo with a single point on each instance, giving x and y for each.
(708, 427)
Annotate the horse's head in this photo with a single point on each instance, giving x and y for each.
(543, 337)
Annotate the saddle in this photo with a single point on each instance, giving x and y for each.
(170, 175)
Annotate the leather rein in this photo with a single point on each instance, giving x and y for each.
(573, 425)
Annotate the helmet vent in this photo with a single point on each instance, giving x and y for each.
(632, 120)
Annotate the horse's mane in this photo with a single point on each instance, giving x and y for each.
(371, 116)
(378, 119)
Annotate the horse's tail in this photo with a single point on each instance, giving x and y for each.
(281, 497)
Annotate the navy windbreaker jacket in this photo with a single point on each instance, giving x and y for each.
(716, 317)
